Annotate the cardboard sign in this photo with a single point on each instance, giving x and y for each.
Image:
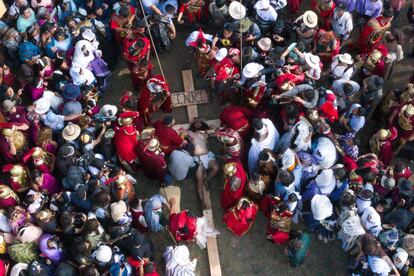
(190, 98)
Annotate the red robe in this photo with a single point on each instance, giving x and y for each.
(168, 137)
(153, 164)
(323, 15)
(229, 197)
(240, 221)
(370, 36)
(178, 221)
(146, 106)
(225, 70)
(136, 214)
(126, 143)
(236, 118)
(137, 76)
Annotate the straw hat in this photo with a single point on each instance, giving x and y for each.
(236, 10)
(245, 24)
(346, 58)
(118, 209)
(71, 132)
(265, 44)
(252, 69)
(312, 60)
(310, 19)
(42, 106)
(221, 54)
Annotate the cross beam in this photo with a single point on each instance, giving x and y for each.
(212, 248)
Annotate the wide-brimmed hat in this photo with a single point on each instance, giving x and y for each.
(252, 69)
(42, 106)
(103, 254)
(71, 132)
(236, 10)
(310, 19)
(346, 58)
(321, 207)
(264, 44)
(312, 60)
(118, 209)
(262, 5)
(244, 25)
(107, 109)
(71, 91)
(221, 54)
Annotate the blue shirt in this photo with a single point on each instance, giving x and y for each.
(369, 7)
(27, 50)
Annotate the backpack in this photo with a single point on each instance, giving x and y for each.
(161, 37)
(24, 252)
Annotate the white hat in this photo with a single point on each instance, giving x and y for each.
(321, 207)
(346, 58)
(42, 105)
(236, 10)
(181, 255)
(310, 19)
(118, 209)
(402, 255)
(312, 60)
(264, 43)
(55, 100)
(326, 181)
(71, 132)
(252, 69)
(262, 5)
(221, 54)
(103, 254)
(108, 107)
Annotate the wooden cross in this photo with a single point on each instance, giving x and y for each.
(191, 98)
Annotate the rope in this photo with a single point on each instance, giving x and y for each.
(152, 41)
(241, 51)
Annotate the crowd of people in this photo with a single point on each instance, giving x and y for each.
(296, 88)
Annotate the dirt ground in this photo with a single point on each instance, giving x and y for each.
(251, 254)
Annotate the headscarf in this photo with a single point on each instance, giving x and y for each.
(378, 265)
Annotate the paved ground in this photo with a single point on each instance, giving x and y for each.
(251, 254)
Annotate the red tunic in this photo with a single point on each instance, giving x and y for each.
(178, 221)
(240, 221)
(168, 137)
(153, 164)
(236, 118)
(146, 105)
(225, 70)
(126, 143)
(370, 35)
(229, 197)
(136, 214)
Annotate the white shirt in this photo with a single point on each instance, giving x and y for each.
(343, 25)
(341, 71)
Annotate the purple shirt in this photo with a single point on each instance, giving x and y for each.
(350, 4)
(369, 7)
